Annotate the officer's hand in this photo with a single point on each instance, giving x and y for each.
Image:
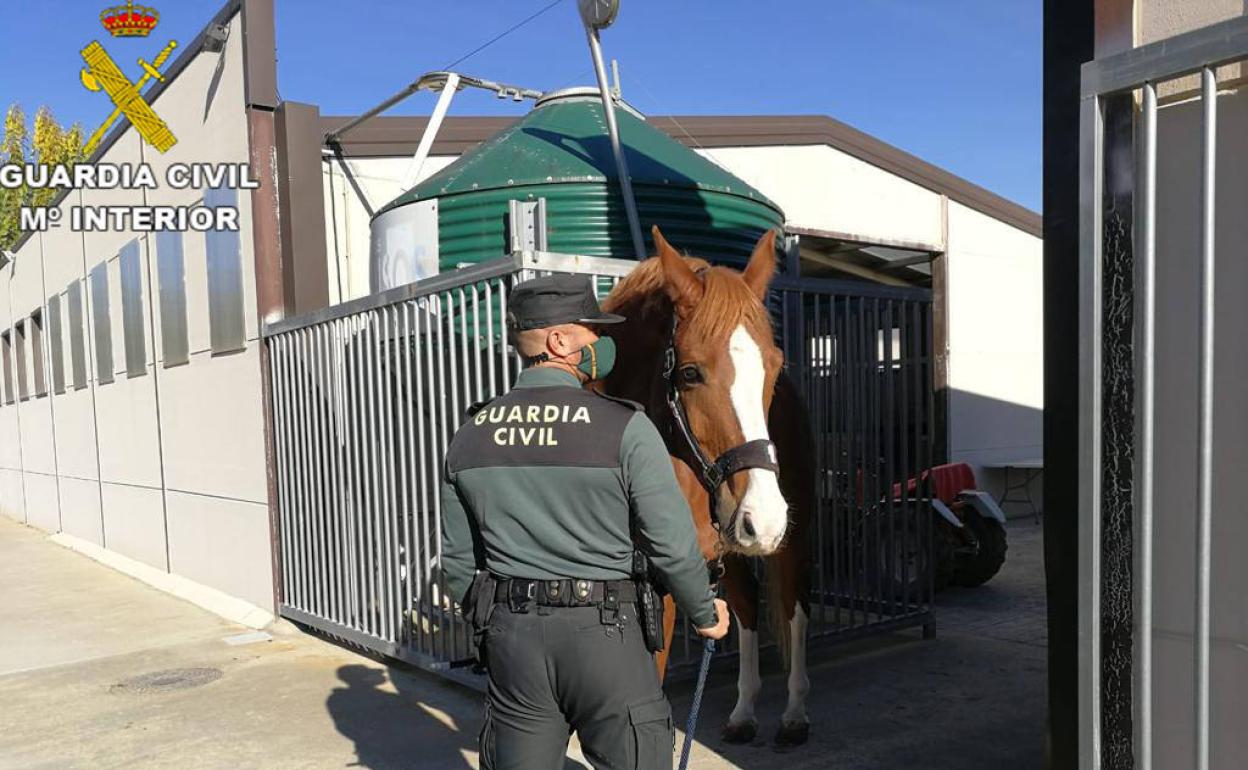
(720, 629)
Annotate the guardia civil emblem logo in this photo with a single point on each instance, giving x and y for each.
(103, 74)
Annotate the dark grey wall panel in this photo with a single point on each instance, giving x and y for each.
(225, 279)
(132, 310)
(171, 275)
(56, 343)
(19, 359)
(6, 350)
(102, 326)
(77, 335)
(39, 377)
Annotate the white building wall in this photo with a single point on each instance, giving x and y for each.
(996, 346)
(167, 467)
(822, 188)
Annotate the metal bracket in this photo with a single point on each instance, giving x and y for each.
(527, 225)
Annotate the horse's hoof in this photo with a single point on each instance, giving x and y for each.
(742, 733)
(792, 734)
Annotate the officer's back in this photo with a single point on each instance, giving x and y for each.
(545, 487)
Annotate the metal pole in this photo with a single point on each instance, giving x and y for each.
(621, 166)
(1209, 96)
(431, 130)
(1148, 259)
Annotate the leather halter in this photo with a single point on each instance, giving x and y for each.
(759, 453)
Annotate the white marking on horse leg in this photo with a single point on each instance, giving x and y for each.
(769, 512)
(748, 680)
(799, 682)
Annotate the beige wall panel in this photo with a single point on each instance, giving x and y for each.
(12, 497)
(223, 544)
(129, 438)
(75, 435)
(102, 246)
(207, 131)
(212, 425)
(10, 447)
(42, 503)
(38, 455)
(26, 287)
(134, 523)
(80, 509)
(1160, 19)
(819, 187)
(63, 249)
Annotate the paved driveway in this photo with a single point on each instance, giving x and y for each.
(99, 671)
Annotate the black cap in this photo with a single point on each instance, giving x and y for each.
(555, 299)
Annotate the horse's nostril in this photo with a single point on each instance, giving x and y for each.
(747, 524)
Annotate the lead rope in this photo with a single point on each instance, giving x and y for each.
(716, 568)
(708, 650)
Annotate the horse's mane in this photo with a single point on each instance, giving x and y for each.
(726, 301)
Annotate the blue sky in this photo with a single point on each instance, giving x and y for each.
(956, 82)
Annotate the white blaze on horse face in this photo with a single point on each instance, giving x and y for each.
(766, 506)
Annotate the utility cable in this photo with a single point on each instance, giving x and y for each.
(502, 35)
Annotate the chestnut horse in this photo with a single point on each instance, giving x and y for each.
(727, 375)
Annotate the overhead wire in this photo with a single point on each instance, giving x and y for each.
(502, 34)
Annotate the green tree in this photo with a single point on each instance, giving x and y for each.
(44, 143)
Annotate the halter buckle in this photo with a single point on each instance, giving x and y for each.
(714, 476)
(669, 362)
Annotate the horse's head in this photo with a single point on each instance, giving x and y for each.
(726, 368)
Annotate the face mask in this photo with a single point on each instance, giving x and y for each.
(597, 358)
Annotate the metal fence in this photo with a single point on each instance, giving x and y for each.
(1121, 416)
(366, 396)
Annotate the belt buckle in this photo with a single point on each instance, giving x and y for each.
(521, 595)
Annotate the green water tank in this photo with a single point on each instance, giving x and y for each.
(561, 152)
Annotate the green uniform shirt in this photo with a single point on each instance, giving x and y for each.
(547, 482)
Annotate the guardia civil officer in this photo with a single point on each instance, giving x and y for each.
(544, 488)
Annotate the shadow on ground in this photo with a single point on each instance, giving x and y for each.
(391, 718)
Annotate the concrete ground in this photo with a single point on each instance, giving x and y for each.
(100, 671)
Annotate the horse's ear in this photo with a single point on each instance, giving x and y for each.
(683, 286)
(762, 265)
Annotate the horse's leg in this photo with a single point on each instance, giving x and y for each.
(786, 571)
(742, 596)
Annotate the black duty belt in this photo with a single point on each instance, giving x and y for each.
(564, 593)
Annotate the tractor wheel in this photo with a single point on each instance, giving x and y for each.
(977, 568)
(895, 567)
(947, 539)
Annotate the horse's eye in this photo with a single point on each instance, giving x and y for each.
(690, 374)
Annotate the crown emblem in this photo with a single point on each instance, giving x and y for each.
(129, 20)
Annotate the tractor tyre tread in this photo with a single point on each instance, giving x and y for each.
(986, 563)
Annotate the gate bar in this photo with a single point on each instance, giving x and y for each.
(1173, 57)
(1209, 98)
(1148, 313)
(1091, 180)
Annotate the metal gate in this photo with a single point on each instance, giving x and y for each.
(1154, 420)
(367, 394)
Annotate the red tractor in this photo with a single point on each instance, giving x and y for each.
(970, 532)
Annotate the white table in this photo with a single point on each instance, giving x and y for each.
(1029, 469)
